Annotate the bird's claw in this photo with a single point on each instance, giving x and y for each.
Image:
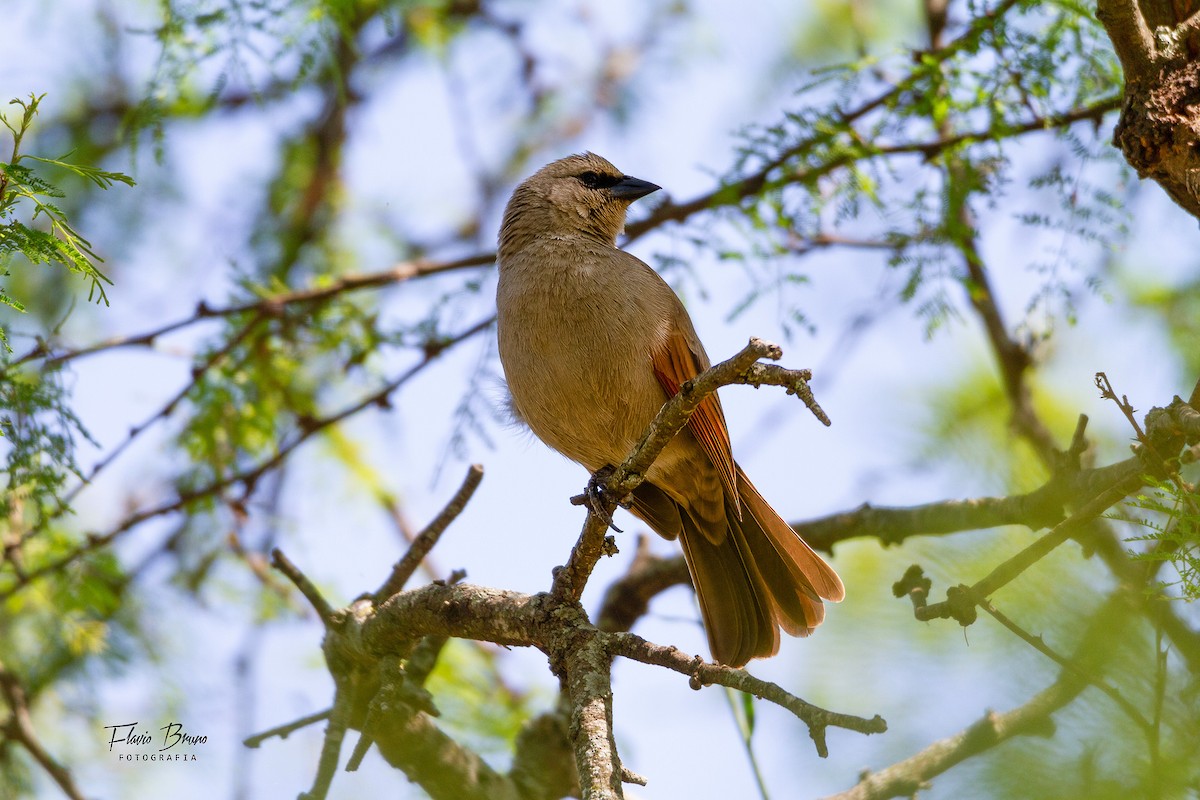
(596, 496)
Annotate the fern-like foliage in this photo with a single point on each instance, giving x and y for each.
(1171, 518)
(32, 226)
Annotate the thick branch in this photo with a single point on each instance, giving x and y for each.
(411, 742)
(464, 611)
(589, 687)
(1037, 509)
(559, 628)
(1130, 35)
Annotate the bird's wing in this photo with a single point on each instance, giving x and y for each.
(676, 361)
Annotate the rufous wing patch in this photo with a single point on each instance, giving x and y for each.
(674, 363)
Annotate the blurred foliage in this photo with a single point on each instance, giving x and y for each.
(40, 432)
(910, 152)
(476, 701)
(1179, 309)
(1170, 516)
(884, 151)
(49, 237)
(966, 423)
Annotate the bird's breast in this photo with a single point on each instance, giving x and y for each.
(575, 338)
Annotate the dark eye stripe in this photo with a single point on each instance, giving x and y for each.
(594, 180)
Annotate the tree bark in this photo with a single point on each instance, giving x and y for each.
(1157, 42)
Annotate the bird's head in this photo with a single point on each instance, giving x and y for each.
(579, 194)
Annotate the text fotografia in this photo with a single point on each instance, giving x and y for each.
(172, 738)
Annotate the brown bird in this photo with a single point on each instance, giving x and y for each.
(593, 343)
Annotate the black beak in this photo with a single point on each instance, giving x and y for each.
(630, 188)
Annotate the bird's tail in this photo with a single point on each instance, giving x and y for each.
(758, 578)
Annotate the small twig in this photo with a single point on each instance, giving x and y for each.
(257, 566)
(629, 776)
(961, 600)
(361, 747)
(306, 587)
(406, 531)
(272, 305)
(906, 778)
(1108, 393)
(1039, 644)
(703, 673)
(1034, 717)
(1026, 558)
(794, 380)
(166, 410)
(248, 477)
(426, 539)
(1162, 463)
(283, 731)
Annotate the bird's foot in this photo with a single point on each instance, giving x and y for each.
(596, 495)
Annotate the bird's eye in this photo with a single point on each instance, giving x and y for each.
(594, 180)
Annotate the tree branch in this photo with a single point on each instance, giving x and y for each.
(428, 537)
(1164, 439)
(907, 777)
(18, 728)
(588, 674)
(1130, 35)
(248, 477)
(671, 418)
(703, 673)
(759, 181)
(271, 306)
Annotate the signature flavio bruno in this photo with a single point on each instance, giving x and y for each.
(174, 739)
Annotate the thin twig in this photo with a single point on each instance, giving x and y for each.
(907, 777)
(272, 305)
(166, 410)
(758, 182)
(703, 673)
(311, 592)
(1026, 558)
(283, 731)
(426, 539)
(248, 477)
(1039, 644)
